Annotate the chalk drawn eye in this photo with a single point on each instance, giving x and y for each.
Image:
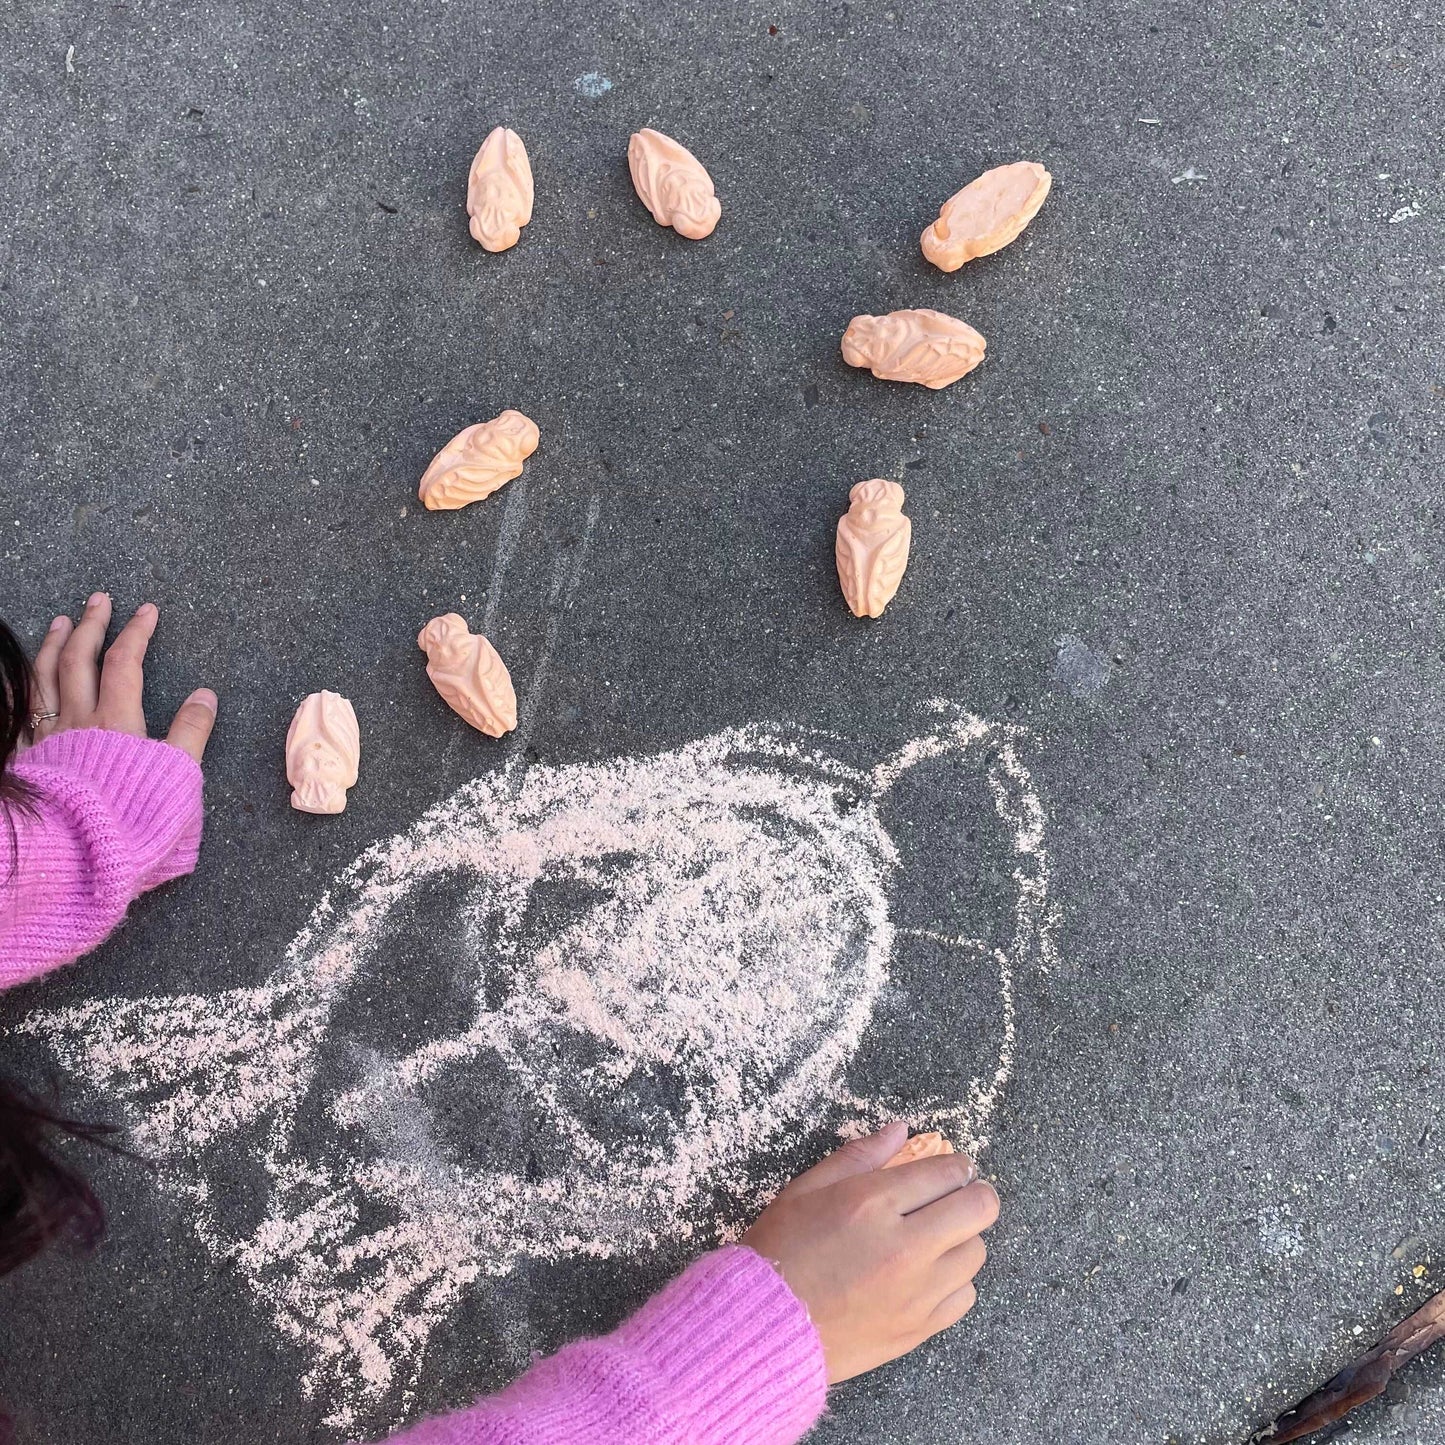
(584, 1011)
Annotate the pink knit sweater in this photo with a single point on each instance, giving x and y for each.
(724, 1355)
(116, 815)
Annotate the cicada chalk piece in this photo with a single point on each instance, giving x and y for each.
(467, 671)
(986, 214)
(673, 184)
(872, 548)
(921, 346)
(478, 461)
(921, 1146)
(323, 753)
(499, 190)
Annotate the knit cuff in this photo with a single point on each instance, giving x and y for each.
(741, 1360)
(724, 1355)
(151, 790)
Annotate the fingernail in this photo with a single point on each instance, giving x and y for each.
(206, 698)
(58, 624)
(147, 607)
(95, 599)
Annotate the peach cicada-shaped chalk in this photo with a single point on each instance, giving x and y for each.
(472, 679)
(499, 190)
(478, 461)
(323, 753)
(872, 547)
(986, 214)
(921, 1146)
(923, 346)
(672, 184)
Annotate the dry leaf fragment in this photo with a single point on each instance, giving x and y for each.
(478, 461)
(872, 546)
(673, 184)
(499, 190)
(986, 214)
(921, 1146)
(1363, 1378)
(472, 679)
(922, 346)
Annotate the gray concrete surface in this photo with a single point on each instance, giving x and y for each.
(1185, 525)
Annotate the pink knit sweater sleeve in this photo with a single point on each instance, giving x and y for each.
(112, 816)
(724, 1355)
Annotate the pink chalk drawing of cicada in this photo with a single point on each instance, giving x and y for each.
(585, 1010)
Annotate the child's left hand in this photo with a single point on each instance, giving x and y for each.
(74, 689)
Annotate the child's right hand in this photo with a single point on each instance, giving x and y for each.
(882, 1259)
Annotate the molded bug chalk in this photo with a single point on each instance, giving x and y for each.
(872, 546)
(672, 184)
(921, 1146)
(466, 670)
(323, 753)
(478, 461)
(499, 191)
(922, 346)
(987, 214)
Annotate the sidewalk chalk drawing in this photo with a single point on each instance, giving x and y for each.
(645, 976)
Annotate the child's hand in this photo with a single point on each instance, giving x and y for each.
(73, 689)
(882, 1259)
